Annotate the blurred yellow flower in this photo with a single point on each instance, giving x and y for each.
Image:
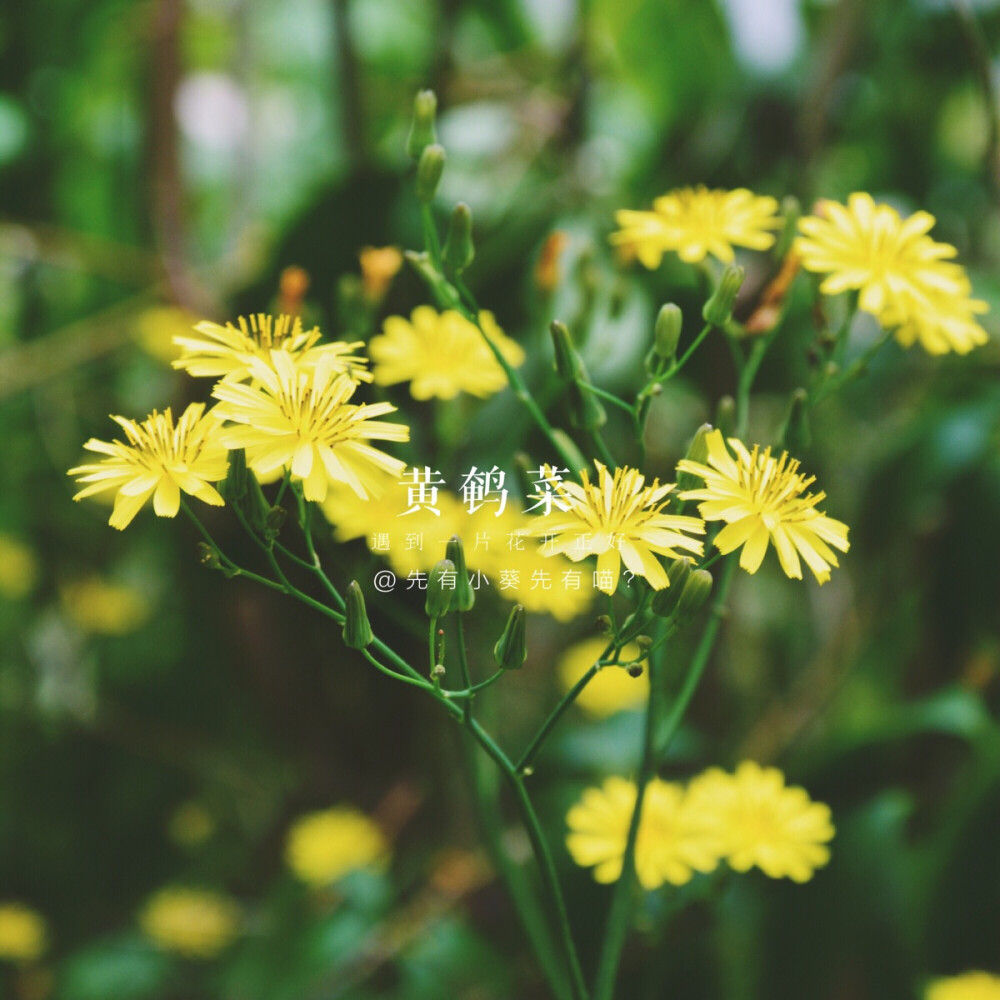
(943, 323)
(442, 354)
(762, 499)
(612, 689)
(18, 568)
(967, 986)
(324, 846)
(161, 460)
(379, 265)
(191, 824)
(305, 421)
(156, 328)
(695, 222)
(227, 351)
(618, 519)
(195, 923)
(672, 843)
(762, 822)
(22, 933)
(104, 608)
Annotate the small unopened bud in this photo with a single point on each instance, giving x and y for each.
(511, 649)
(274, 520)
(459, 250)
(603, 624)
(357, 629)
(796, 435)
(234, 486)
(665, 601)
(667, 332)
(697, 452)
(438, 672)
(719, 308)
(208, 556)
(633, 669)
(643, 642)
(695, 593)
(725, 415)
(429, 171)
(569, 364)
(441, 587)
(422, 132)
(464, 596)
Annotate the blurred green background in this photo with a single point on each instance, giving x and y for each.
(183, 154)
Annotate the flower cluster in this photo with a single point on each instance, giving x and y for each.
(750, 818)
(194, 923)
(324, 846)
(903, 277)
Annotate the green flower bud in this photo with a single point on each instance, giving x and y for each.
(697, 452)
(274, 521)
(719, 308)
(422, 132)
(442, 583)
(603, 624)
(429, 171)
(569, 364)
(664, 601)
(357, 629)
(725, 415)
(796, 435)
(634, 669)
(234, 487)
(208, 556)
(667, 332)
(585, 410)
(459, 250)
(695, 593)
(511, 649)
(464, 596)
(643, 642)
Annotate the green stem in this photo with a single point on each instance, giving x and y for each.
(475, 688)
(608, 397)
(317, 566)
(602, 449)
(420, 683)
(852, 371)
(463, 666)
(431, 636)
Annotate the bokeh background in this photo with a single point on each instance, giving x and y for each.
(159, 724)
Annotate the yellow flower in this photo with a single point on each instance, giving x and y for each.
(672, 842)
(195, 923)
(22, 933)
(305, 421)
(160, 460)
(324, 846)
(968, 986)
(693, 222)
(612, 689)
(892, 262)
(943, 323)
(227, 352)
(762, 499)
(379, 265)
(18, 568)
(761, 822)
(98, 606)
(156, 328)
(617, 519)
(442, 354)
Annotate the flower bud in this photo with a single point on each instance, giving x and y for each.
(634, 669)
(357, 629)
(603, 624)
(569, 364)
(422, 132)
(459, 250)
(667, 332)
(438, 672)
(234, 486)
(274, 521)
(697, 452)
(643, 642)
(441, 588)
(695, 593)
(719, 308)
(464, 597)
(429, 171)
(208, 556)
(511, 649)
(796, 435)
(664, 601)
(585, 410)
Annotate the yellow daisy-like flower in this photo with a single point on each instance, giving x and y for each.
(618, 519)
(943, 323)
(891, 262)
(968, 986)
(324, 846)
(672, 843)
(227, 351)
(612, 690)
(104, 608)
(195, 923)
(442, 354)
(761, 822)
(695, 222)
(22, 933)
(763, 499)
(161, 460)
(304, 420)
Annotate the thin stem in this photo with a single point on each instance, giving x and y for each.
(852, 371)
(463, 666)
(602, 449)
(431, 636)
(317, 566)
(608, 397)
(420, 683)
(475, 688)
